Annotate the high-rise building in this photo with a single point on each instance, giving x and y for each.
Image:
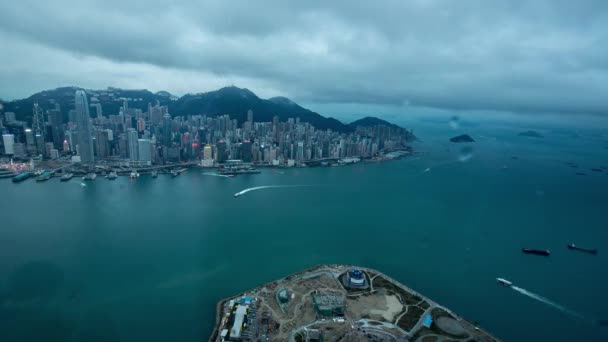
(300, 151)
(250, 117)
(222, 152)
(98, 109)
(132, 143)
(54, 153)
(145, 151)
(47, 148)
(85, 143)
(156, 114)
(141, 124)
(167, 135)
(9, 143)
(56, 122)
(207, 152)
(72, 115)
(40, 144)
(9, 117)
(19, 149)
(102, 147)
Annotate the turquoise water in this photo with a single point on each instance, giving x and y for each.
(148, 260)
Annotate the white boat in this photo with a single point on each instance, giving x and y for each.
(90, 176)
(134, 175)
(504, 282)
(112, 175)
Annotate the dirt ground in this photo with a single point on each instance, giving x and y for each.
(377, 306)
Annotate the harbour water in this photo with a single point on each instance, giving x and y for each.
(148, 259)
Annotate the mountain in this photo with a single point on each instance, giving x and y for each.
(371, 121)
(236, 102)
(229, 100)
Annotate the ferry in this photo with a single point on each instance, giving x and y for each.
(112, 175)
(134, 174)
(90, 176)
(44, 176)
(22, 176)
(586, 250)
(542, 252)
(176, 173)
(66, 177)
(504, 282)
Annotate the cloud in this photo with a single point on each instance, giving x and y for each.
(545, 55)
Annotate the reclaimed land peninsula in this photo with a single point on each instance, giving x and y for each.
(338, 303)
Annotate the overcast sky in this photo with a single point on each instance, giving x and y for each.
(541, 55)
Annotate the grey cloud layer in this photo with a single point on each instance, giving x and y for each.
(545, 55)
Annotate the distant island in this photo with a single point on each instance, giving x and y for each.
(462, 139)
(531, 133)
(338, 303)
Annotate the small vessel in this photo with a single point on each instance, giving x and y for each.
(154, 174)
(44, 176)
(586, 250)
(112, 175)
(133, 174)
(543, 252)
(175, 173)
(90, 176)
(504, 282)
(22, 176)
(66, 177)
(237, 194)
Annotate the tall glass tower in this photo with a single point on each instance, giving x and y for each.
(85, 142)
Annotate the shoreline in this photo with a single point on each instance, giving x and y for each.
(338, 271)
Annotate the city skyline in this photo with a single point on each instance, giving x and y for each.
(154, 136)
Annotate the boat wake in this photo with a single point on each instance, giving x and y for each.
(242, 192)
(548, 302)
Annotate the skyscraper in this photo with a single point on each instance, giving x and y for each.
(250, 117)
(56, 121)
(103, 145)
(167, 123)
(145, 151)
(132, 142)
(9, 143)
(98, 109)
(85, 143)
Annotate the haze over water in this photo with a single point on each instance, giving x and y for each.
(148, 260)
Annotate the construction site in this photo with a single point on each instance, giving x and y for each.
(338, 303)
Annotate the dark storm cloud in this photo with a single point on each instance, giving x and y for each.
(542, 55)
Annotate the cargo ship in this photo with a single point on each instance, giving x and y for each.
(66, 177)
(22, 176)
(586, 250)
(542, 252)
